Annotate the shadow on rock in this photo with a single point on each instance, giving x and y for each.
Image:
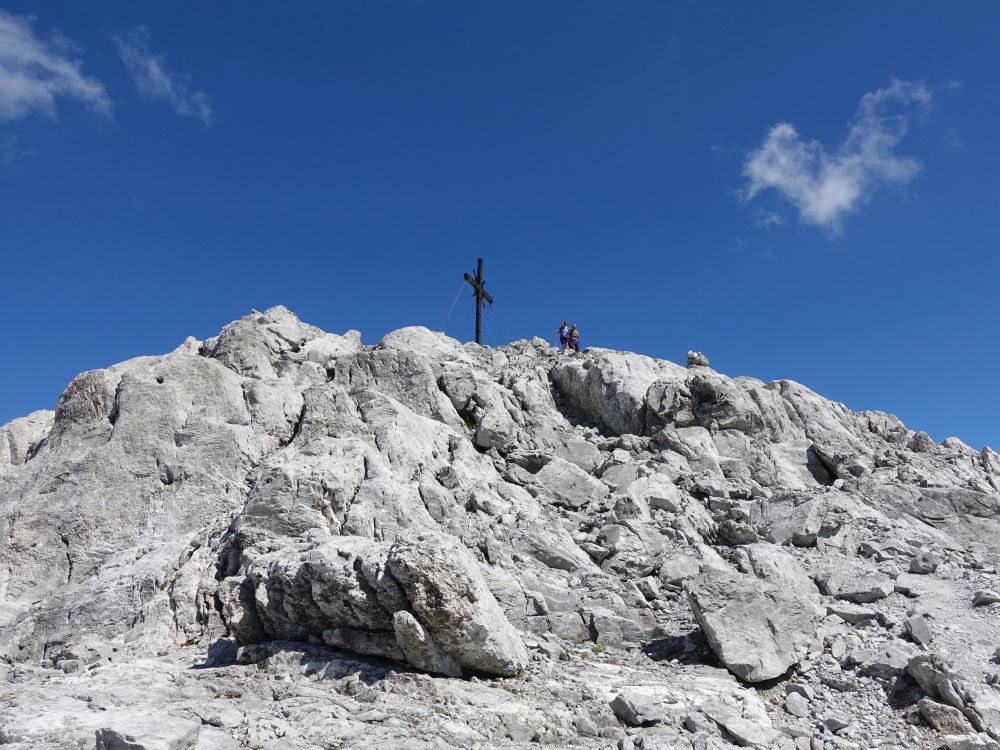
(312, 661)
(688, 648)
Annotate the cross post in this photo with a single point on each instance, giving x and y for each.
(479, 289)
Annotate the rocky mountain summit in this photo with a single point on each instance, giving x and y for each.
(282, 538)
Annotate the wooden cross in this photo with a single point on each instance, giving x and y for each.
(479, 286)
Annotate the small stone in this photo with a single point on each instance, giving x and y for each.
(797, 705)
(919, 630)
(852, 613)
(637, 709)
(840, 684)
(584, 724)
(984, 598)
(925, 563)
(835, 723)
(649, 587)
(804, 690)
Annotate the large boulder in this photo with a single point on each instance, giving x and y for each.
(421, 599)
(939, 679)
(757, 630)
(609, 388)
(447, 593)
(567, 485)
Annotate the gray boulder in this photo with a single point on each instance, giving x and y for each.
(924, 563)
(945, 719)
(566, 484)
(447, 593)
(637, 709)
(696, 359)
(757, 630)
(984, 598)
(973, 741)
(136, 732)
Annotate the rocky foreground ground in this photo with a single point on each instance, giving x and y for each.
(281, 538)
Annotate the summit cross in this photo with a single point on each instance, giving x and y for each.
(479, 287)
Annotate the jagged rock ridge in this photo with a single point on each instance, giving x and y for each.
(602, 540)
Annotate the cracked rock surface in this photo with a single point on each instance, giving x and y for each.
(283, 538)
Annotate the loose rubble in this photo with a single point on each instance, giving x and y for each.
(284, 538)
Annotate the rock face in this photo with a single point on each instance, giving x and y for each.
(284, 538)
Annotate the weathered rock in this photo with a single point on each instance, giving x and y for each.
(889, 661)
(984, 598)
(323, 526)
(975, 741)
(696, 359)
(418, 647)
(148, 733)
(861, 589)
(937, 678)
(741, 731)
(757, 630)
(945, 719)
(797, 705)
(449, 596)
(638, 709)
(918, 630)
(852, 613)
(924, 563)
(568, 485)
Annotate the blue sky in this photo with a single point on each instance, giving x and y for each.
(801, 191)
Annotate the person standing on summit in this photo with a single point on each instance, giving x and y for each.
(563, 332)
(574, 338)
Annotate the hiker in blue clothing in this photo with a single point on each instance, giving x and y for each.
(563, 332)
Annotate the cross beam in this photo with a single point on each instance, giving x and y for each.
(479, 289)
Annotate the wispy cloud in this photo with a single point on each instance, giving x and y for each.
(154, 81)
(12, 151)
(825, 185)
(768, 219)
(35, 73)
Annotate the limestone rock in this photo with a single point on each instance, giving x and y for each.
(919, 630)
(447, 593)
(419, 649)
(148, 733)
(280, 537)
(797, 705)
(973, 741)
(889, 661)
(696, 359)
(568, 485)
(945, 719)
(757, 630)
(637, 709)
(924, 563)
(985, 598)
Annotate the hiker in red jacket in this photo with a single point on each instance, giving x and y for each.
(574, 338)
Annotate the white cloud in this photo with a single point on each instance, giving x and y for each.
(768, 219)
(825, 185)
(154, 81)
(34, 73)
